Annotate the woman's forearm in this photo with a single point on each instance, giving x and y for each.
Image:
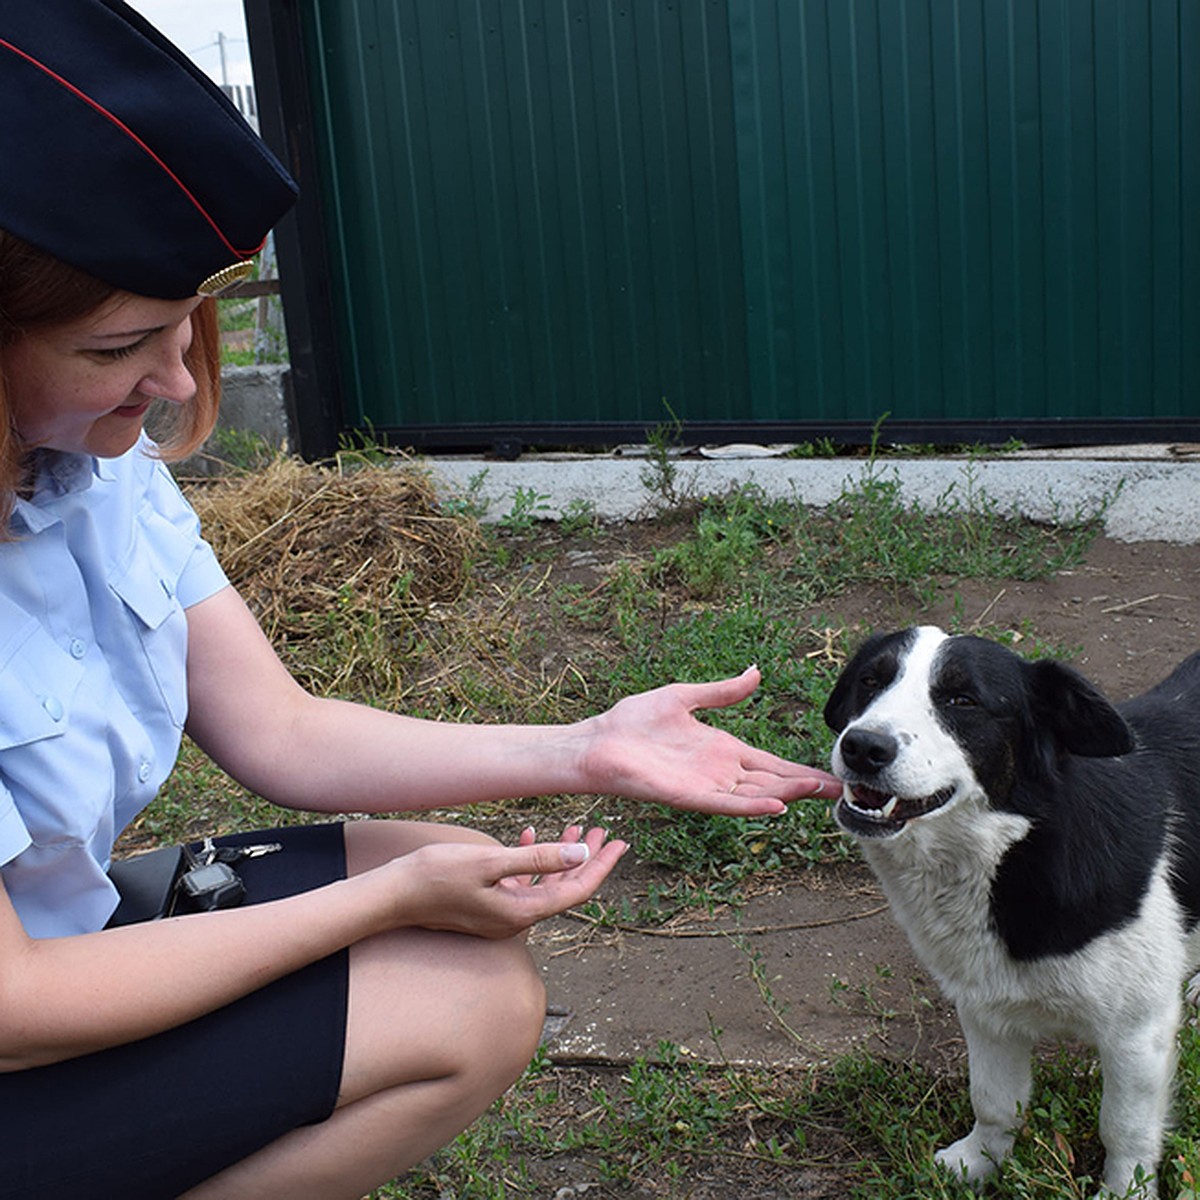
(342, 757)
(326, 755)
(62, 997)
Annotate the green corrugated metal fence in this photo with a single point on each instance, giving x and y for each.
(770, 214)
(978, 209)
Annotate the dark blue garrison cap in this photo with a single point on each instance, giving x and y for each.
(120, 157)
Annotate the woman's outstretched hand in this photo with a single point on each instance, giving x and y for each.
(651, 747)
(500, 891)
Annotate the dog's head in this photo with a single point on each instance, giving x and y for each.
(926, 721)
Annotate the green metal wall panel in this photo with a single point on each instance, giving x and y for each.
(531, 206)
(970, 208)
(760, 211)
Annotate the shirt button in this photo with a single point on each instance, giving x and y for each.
(53, 706)
(78, 648)
(143, 771)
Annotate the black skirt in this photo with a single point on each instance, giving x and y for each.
(148, 1120)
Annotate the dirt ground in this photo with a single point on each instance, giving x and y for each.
(813, 966)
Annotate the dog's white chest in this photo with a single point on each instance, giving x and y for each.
(938, 881)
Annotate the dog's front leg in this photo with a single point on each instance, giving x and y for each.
(1138, 1066)
(1001, 1078)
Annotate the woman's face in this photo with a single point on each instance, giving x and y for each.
(85, 387)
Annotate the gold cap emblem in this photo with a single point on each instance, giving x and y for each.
(226, 277)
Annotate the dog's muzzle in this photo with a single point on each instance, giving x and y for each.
(876, 811)
(865, 812)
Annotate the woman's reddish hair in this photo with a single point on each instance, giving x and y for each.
(38, 292)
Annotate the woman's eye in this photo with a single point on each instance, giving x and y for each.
(118, 352)
(121, 351)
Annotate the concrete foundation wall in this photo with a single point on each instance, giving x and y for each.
(256, 410)
(255, 400)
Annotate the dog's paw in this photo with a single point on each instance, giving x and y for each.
(972, 1157)
(1125, 1181)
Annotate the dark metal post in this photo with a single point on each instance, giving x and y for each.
(285, 119)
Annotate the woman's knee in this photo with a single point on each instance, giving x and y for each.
(501, 1044)
(520, 1013)
(373, 842)
(426, 1005)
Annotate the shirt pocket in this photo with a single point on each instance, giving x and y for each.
(147, 585)
(38, 683)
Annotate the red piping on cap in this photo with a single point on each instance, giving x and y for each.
(137, 141)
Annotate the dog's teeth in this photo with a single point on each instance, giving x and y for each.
(890, 807)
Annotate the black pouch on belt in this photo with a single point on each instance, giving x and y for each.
(146, 883)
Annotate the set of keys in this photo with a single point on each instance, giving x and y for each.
(210, 882)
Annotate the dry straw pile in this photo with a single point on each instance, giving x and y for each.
(361, 580)
(303, 542)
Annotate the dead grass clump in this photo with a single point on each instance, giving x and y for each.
(302, 543)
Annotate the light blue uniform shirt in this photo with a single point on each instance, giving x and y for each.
(93, 691)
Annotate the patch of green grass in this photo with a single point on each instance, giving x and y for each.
(784, 554)
(253, 340)
(783, 717)
(471, 502)
(579, 518)
(646, 1121)
(528, 507)
(821, 448)
(732, 538)
(242, 449)
(879, 448)
(873, 1124)
(870, 534)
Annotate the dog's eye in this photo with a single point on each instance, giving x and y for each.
(960, 700)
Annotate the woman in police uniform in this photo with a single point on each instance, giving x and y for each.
(373, 994)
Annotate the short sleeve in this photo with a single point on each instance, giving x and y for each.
(14, 837)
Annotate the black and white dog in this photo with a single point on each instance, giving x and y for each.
(1041, 848)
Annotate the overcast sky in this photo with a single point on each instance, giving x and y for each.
(194, 26)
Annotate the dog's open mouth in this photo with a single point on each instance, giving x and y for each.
(870, 813)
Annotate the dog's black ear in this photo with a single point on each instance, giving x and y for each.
(1077, 714)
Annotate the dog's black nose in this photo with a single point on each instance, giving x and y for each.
(866, 750)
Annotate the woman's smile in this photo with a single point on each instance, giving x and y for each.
(132, 410)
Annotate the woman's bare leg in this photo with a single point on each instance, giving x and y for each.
(439, 1025)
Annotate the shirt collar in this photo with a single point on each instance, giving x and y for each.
(55, 474)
